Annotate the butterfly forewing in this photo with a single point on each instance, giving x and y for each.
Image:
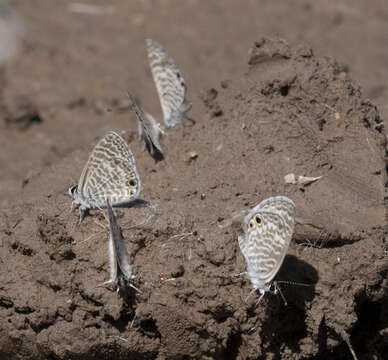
(110, 173)
(170, 83)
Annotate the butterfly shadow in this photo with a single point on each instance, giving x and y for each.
(296, 280)
(127, 293)
(137, 203)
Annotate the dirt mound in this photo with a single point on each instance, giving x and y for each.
(291, 113)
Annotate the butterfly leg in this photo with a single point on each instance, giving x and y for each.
(278, 290)
(123, 284)
(160, 129)
(261, 296)
(252, 291)
(82, 213)
(134, 287)
(109, 282)
(240, 274)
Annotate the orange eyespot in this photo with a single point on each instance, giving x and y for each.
(132, 183)
(258, 220)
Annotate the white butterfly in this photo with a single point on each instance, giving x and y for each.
(109, 174)
(268, 231)
(120, 268)
(170, 84)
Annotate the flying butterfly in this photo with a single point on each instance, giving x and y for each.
(170, 84)
(109, 174)
(149, 130)
(268, 231)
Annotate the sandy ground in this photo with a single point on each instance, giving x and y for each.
(263, 107)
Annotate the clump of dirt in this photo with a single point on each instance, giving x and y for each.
(292, 112)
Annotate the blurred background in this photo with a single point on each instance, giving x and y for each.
(66, 66)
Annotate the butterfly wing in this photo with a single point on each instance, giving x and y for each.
(149, 130)
(170, 84)
(122, 258)
(110, 173)
(270, 226)
(12, 32)
(112, 259)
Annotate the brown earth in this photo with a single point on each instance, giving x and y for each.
(287, 111)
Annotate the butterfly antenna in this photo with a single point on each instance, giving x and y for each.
(236, 216)
(293, 283)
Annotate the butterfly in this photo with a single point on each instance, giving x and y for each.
(149, 130)
(12, 32)
(268, 231)
(120, 268)
(109, 174)
(170, 84)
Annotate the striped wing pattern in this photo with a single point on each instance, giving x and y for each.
(109, 174)
(170, 84)
(269, 229)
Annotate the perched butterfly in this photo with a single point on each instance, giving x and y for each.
(109, 174)
(120, 269)
(170, 84)
(268, 231)
(149, 130)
